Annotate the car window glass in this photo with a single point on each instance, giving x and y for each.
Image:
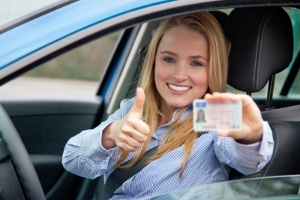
(282, 76)
(283, 187)
(295, 18)
(75, 73)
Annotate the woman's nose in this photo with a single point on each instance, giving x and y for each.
(180, 72)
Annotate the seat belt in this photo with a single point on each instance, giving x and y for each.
(120, 175)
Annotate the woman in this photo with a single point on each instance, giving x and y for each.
(186, 60)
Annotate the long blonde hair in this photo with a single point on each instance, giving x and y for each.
(181, 131)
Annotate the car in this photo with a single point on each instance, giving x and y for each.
(105, 41)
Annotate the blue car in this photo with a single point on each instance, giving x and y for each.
(65, 65)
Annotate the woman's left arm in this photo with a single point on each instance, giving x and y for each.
(245, 158)
(249, 149)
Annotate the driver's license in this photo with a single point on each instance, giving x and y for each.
(215, 115)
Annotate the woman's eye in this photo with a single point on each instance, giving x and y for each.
(170, 60)
(196, 63)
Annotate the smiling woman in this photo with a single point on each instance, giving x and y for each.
(184, 54)
(181, 66)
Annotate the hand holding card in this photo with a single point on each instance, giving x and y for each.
(251, 120)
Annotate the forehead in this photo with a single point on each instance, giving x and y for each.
(184, 41)
(182, 33)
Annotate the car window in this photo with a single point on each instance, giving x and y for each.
(15, 11)
(282, 187)
(75, 73)
(282, 76)
(295, 18)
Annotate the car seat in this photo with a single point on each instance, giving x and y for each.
(220, 16)
(261, 46)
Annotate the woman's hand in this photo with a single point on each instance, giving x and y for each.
(130, 132)
(252, 123)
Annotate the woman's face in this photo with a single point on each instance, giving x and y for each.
(181, 67)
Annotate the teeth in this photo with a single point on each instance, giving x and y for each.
(179, 88)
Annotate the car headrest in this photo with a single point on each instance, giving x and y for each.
(261, 45)
(220, 16)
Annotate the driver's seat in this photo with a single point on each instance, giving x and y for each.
(261, 46)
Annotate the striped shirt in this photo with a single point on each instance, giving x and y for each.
(211, 160)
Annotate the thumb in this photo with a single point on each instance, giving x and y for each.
(138, 105)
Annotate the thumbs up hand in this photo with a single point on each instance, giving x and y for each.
(138, 106)
(130, 132)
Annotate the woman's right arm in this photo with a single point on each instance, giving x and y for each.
(87, 154)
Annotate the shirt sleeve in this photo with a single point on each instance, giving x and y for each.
(84, 154)
(246, 158)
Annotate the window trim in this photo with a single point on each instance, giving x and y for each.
(34, 14)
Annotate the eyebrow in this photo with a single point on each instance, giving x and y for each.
(168, 52)
(174, 54)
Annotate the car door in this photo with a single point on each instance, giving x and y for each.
(47, 108)
(47, 117)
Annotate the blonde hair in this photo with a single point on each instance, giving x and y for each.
(181, 131)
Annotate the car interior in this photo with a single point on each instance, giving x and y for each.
(252, 64)
(254, 42)
(261, 47)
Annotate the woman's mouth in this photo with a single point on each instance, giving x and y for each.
(178, 88)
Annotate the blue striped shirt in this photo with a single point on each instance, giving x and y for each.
(210, 162)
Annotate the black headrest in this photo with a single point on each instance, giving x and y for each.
(220, 16)
(261, 45)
